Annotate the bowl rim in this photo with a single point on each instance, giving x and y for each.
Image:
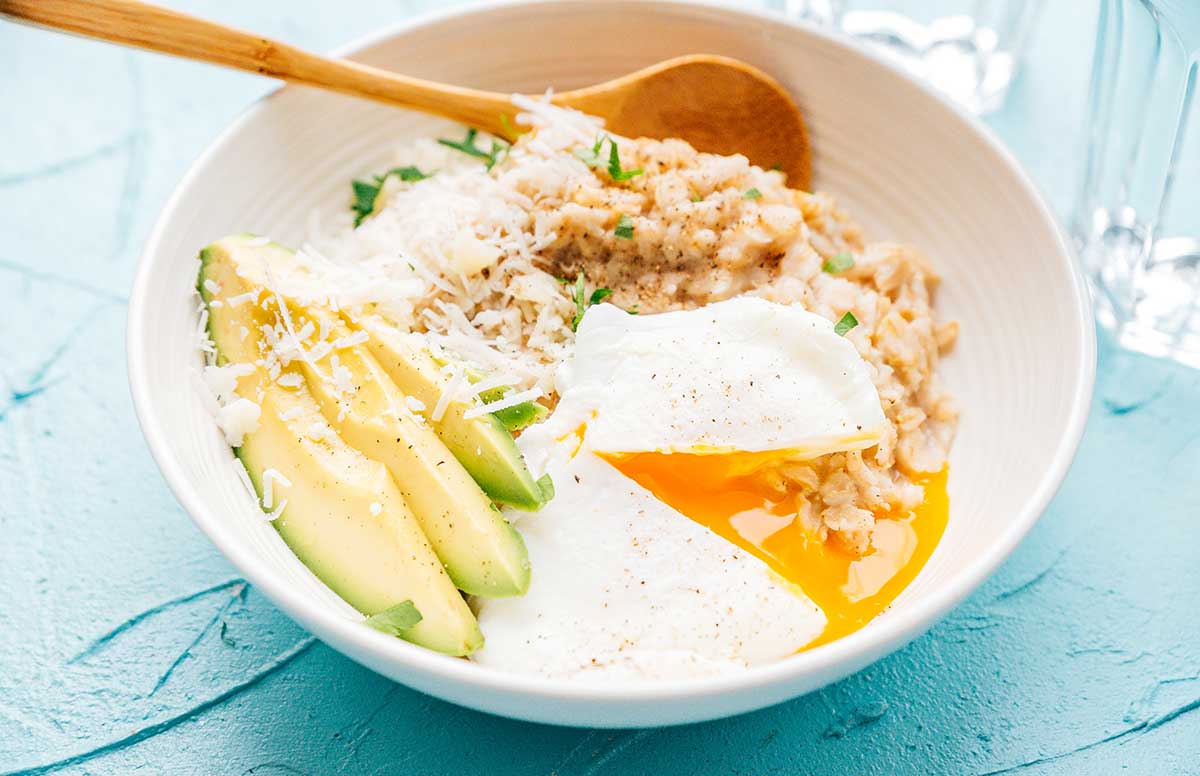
(882, 638)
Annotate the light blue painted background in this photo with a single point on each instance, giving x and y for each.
(127, 644)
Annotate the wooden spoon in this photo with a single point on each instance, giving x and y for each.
(715, 103)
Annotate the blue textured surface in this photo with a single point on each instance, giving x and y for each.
(127, 644)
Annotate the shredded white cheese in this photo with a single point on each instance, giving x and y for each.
(238, 418)
(269, 478)
(350, 340)
(502, 380)
(291, 414)
(512, 400)
(274, 514)
(241, 299)
(449, 393)
(244, 477)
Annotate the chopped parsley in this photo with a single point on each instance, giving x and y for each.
(593, 158)
(752, 194)
(614, 164)
(396, 620)
(546, 487)
(366, 192)
(582, 300)
(694, 197)
(847, 322)
(468, 147)
(777, 168)
(624, 228)
(839, 263)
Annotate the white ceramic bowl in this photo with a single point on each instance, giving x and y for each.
(906, 164)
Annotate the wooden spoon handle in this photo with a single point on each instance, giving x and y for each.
(149, 27)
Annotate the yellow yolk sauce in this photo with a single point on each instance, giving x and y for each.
(729, 494)
(576, 438)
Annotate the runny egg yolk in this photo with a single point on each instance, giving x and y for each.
(730, 494)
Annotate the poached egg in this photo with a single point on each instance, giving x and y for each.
(668, 551)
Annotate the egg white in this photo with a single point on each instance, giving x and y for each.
(625, 586)
(741, 374)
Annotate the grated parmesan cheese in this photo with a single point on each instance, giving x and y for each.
(502, 380)
(241, 299)
(238, 418)
(244, 477)
(449, 392)
(350, 340)
(269, 478)
(291, 414)
(511, 400)
(453, 256)
(274, 514)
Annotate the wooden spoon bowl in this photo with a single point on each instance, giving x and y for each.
(715, 103)
(718, 104)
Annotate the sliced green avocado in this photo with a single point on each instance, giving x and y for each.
(481, 444)
(521, 415)
(344, 518)
(483, 554)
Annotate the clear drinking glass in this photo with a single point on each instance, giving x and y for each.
(1137, 222)
(969, 49)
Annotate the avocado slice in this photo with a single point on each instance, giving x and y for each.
(519, 416)
(345, 518)
(483, 554)
(482, 444)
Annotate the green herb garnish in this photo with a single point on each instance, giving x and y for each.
(591, 156)
(367, 192)
(546, 487)
(614, 164)
(396, 620)
(847, 322)
(839, 263)
(752, 194)
(579, 296)
(694, 197)
(624, 228)
(582, 300)
(777, 168)
(468, 147)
